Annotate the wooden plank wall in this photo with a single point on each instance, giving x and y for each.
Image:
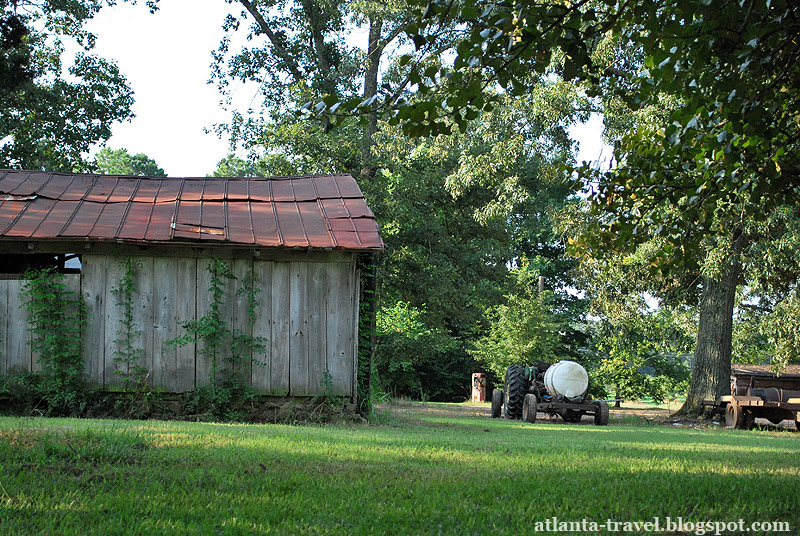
(305, 313)
(15, 349)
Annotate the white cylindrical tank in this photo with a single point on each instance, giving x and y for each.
(566, 378)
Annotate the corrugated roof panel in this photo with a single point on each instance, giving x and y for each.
(213, 214)
(192, 189)
(238, 190)
(160, 226)
(83, 219)
(214, 190)
(358, 208)
(168, 193)
(188, 212)
(147, 191)
(282, 190)
(55, 221)
(303, 188)
(326, 187)
(77, 188)
(9, 210)
(240, 227)
(348, 187)
(124, 190)
(314, 225)
(31, 218)
(101, 190)
(370, 239)
(55, 187)
(259, 190)
(264, 224)
(109, 221)
(30, 184)
(290, 225)
(348, 240)
(136, 221)
(334, 208)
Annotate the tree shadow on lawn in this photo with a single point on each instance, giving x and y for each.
(411, 480)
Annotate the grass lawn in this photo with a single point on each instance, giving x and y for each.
(424, 471)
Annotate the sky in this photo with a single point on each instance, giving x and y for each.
(166, 58)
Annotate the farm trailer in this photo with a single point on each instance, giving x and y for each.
(757, 392)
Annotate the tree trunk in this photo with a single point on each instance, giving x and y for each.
(711, 369)
(374, 52)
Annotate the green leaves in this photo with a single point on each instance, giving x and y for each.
(56, 316)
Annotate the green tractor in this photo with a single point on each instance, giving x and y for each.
(557, 389)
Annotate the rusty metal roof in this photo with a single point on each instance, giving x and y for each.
(320, 211)
(764, 370)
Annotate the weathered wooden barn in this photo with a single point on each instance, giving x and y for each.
(300, 236)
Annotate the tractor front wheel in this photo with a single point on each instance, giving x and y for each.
(529, 408)
(497, 403)
(514, 391)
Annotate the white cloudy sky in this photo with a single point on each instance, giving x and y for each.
(166, 58)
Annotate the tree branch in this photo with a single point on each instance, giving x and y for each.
(317, 39)
(277, 46)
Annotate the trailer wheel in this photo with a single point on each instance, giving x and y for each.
(497, 402)
(601, 414)
(797, 425)
(514, 391)
(529, 408)
(734, 416)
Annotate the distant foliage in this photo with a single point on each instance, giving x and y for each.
(634, 369)
(522, 330)
(119, 162)
(414, 360)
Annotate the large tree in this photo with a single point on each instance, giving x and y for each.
(455, 211)
(724, 155)
(302, 51)
(54, 108)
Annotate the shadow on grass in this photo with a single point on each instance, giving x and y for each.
(472, 476)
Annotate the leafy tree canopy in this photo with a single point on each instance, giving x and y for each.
(52, 111)
(121, 162)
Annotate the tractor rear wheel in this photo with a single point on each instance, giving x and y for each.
(515, 391)
(497, 402)
(529, 408)
(601, 414)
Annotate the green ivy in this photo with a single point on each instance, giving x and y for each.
(366, 334)
(127, 353)
(56, 317)
(228, 351)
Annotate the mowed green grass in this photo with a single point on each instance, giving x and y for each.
(420, 473)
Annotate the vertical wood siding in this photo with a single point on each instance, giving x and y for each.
(305, 311)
